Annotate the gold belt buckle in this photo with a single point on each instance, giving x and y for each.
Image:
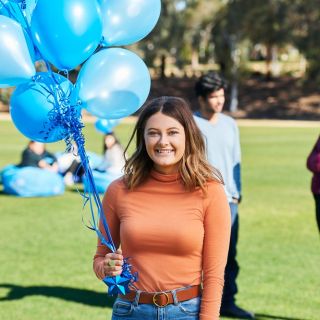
(154, 299)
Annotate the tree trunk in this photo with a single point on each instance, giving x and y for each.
(268, 62)
(234, 74)
(234, 97)
(163, 66)
(195, 60)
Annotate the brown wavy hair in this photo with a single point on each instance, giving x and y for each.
(194, 168)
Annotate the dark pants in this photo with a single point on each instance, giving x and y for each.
(232, 268)
(76, 169)
(317, 199)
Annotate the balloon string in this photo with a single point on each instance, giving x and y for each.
(93, 192)
(74, 127)
(65, 115)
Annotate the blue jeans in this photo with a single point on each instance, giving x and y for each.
(185, 310)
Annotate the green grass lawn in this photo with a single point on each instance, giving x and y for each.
(46, 252)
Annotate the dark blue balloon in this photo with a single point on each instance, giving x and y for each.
(66, 32)
(34, 107)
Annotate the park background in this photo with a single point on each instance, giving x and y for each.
(269, 52)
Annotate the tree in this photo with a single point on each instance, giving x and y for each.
(165, 39)
(183, 31)
(305, 26)
(265, 22)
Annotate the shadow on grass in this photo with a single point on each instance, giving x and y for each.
(83, 296)
(262, 316)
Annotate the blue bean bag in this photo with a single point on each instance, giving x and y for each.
(101, 180)
(94, 159)
(31, 182)
(2, 170)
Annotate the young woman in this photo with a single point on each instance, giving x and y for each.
(170, 214)
(113, 155)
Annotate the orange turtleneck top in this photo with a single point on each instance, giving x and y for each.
(174, 237)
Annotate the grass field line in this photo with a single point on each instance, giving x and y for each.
(241, 122)
(278, 123)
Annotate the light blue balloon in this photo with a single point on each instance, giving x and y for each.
(16, 65)
(31, 103)
(128, 21)
(32, 50)
(113, 83)
(106, 125)
(66, 32)
(14, 11)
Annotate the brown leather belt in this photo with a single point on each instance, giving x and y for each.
(162, 299)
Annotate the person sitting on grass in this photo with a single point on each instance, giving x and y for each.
(36, 155)
(113, 155)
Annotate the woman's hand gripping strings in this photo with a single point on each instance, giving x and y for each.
(113, 263)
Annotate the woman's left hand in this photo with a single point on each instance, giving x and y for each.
(112, 264)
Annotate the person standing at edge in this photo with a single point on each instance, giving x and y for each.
(170, 214)
(223, 149)
(313, 164)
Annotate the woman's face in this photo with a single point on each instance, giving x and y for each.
(165, 142)
(37, 147)
(109, 140)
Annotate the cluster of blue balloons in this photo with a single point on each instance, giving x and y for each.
(112, 83)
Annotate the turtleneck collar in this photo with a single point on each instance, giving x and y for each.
(165, 177)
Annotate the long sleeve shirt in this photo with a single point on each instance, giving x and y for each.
(113, 161)
(223, 150)
(31, 159)
(313, 164)
(174, 237)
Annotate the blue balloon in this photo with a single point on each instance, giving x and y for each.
(20, 11)
(16, 65)
(128, 21)
(30, 5)
(106, 125)
(66, 32)
(33, 107)
(113, 83)
(13, 10)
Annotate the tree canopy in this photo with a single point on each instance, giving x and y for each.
(190, 32)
